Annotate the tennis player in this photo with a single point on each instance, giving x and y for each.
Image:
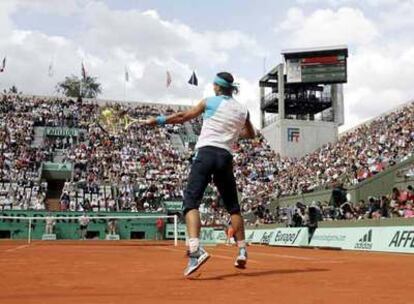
(224, 121)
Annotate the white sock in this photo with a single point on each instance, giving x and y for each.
(193, 243)
(241, 244)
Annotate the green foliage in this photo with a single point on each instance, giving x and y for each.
(74, 87)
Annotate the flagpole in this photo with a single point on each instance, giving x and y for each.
(3, 70)
(80, 80)
(125, 90)
(126, 79)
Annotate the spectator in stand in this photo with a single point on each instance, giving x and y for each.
(64, 201)
(160, 229)
(347, 211)
(384, 207)
(313, 217)
(408, 211)
(83, 225)
(338, 196)
(298, 218)
(410, 193)
(112, 223)
(50, 224)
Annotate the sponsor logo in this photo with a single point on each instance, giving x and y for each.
(207, 234)
(221, 236)
(403, 238)
(329, 238)
(286, 237)
(365, 242)
(250, 237)
(293, 134)
(266, 238)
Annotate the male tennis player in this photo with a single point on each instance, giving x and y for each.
(224, 121)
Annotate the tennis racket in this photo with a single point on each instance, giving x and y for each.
(115, 121)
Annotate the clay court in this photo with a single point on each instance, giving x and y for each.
(131, 272)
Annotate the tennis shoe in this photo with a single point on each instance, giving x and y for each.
(241, 259)
(195, 260)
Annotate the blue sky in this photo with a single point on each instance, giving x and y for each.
(151, 37)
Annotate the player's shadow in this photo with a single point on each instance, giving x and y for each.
(257, 273)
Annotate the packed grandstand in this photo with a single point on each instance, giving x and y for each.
(143, 167)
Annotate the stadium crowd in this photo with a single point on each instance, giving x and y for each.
(141, 167)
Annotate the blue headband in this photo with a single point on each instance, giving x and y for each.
(222, 82)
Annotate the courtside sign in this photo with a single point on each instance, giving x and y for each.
(290, 237)
(259, 236)
(390, 239)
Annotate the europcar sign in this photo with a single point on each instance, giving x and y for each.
(259, 236)
(402, 240)
(290, 237)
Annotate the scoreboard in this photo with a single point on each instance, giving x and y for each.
(322, 66)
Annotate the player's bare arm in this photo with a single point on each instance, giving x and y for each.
(179, 117)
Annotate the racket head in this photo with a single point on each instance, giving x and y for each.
(115, 121)
(109, 120)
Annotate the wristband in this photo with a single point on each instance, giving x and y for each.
(161, 120)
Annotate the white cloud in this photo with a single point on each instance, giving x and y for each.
(148, 44)
(379, 80)
(249, 95)
(6, 25)
(380, 40)
(398, 17)
(374, 3)
(327, 27)
(64, 8)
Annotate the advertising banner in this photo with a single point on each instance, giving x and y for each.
(391, 239)
(259, 236)
(290, 237)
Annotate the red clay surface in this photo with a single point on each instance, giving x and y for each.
(130, 272)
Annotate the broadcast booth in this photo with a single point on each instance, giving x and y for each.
(301, 99)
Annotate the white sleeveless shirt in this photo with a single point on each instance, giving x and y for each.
(224, 118)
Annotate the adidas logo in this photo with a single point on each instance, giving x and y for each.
(365, 242)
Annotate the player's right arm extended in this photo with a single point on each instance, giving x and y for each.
(180, 117)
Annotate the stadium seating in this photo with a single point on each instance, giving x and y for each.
(139, 169)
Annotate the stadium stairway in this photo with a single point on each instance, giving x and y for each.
(54, 192)
(52, 204)
(58, 156)
(177, 143)
(38, 137)
(189, 129)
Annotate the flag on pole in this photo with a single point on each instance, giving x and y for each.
(168, 79)
(193, 80)
(83, 72)
(126, 74)
(50, 71)
(3, 65)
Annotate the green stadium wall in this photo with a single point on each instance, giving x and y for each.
(69, 229)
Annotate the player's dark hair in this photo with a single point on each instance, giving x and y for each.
(229, 78)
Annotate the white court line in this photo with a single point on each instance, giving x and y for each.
(213, 255)
(292, 257)
(16, 248)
